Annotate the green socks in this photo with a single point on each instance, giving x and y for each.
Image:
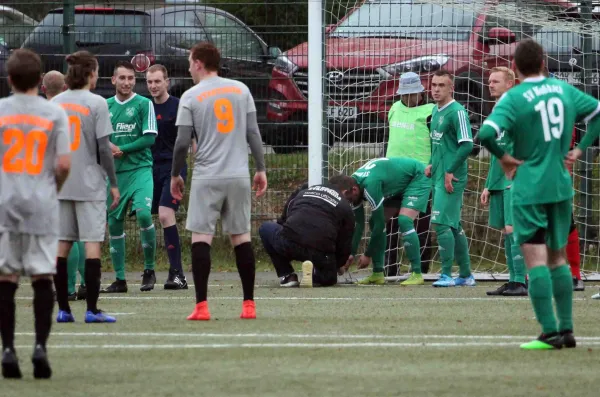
(461, 252)
(445, 239)
(117, 255)
(508, 243)
(148, 237)
(562, 287)
(72, 263)
(411, 244)
(540, 293)
(518, 263)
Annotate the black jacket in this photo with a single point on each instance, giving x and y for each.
(321, 219)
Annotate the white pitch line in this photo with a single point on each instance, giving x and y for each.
(298, 336)
(289, 345)
(305, 298)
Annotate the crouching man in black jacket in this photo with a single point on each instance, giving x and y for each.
(316, 227)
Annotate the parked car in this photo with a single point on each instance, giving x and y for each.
(14, 27)
(162, 35)
(376, 42)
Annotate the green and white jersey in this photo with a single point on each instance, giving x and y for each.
(538, 115)
(130, 120)
(450, 127)
(380, 179)
(496, 180)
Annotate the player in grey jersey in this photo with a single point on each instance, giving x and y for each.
(35, 163)
(83, 197)
(222, 114)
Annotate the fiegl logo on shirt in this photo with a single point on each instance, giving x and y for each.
(124, 127)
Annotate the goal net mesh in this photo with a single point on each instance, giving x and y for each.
(368, 44)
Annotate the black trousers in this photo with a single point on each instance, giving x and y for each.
(393, 237)
(283, 251)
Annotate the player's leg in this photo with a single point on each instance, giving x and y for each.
(142, 205)
(518, 286)
(205, 203)
(68, 233)
(72, 263)
(392, 229)
(414, 202)
(530, 223)
(559, 217)
(236, 211)
(442, 221)
(116, 233)
(92, 228)
(574, 257)
(377, 277)
(82, 290)
(424, 233)
(10, 267)
(38, 259)
(496, 220)
(273, 245)
(167, 208)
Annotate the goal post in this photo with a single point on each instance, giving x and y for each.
(372, 42)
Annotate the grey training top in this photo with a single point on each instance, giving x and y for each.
(34, 134)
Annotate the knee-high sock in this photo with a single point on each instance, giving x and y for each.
(173, 247)
(540, 293)
(42, 309)
(7, 314)
(410, 240)
(92, 280)
(81, 263)
(573, 255)
(562, 288)
(509, 257)
(244, 259)
(518, 261)
(61, 283)
(148, 237)
(117, 247)
(201, 269)
(72, 263)
(446, 244)
(461, 252)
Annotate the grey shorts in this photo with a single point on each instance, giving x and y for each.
(27, 254)
(211, 199)
(82, 220)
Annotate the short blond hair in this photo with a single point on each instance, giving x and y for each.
(508, 73)
(158, 68)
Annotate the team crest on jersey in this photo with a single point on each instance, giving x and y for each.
(441, 120)
(129, 112)
(110, 115)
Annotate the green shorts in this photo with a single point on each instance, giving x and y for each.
(500, 209)
(446, 207)
(553, 218)
(137, 187)
(414, 197)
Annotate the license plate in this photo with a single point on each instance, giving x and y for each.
(575, 77)
(341, 112)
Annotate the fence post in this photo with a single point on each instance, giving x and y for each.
(67, 28)
(315, 92)
(585, 164)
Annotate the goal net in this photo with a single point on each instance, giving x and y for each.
(368, 44)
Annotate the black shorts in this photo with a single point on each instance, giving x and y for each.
(161, 173)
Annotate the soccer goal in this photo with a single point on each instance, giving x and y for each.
(367, 44)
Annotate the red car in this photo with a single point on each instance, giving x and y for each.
(376, 42)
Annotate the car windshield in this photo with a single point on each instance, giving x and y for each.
(97, 29)
(408, 19)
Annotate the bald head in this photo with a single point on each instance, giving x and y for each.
(53, 83)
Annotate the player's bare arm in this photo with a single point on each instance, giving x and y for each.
(184, 139)
(255, 142)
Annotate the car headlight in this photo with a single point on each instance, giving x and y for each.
(284, 64)
(425, 64)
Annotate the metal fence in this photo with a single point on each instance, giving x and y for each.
(366, 44)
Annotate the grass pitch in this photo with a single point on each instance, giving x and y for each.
(345, 340)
